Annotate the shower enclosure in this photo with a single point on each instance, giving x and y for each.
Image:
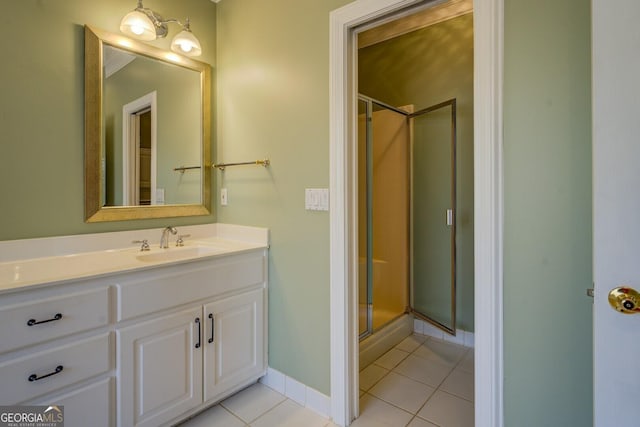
(406, 214)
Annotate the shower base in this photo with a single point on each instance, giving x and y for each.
(378, 343)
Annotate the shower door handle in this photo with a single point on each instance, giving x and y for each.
(449, 217)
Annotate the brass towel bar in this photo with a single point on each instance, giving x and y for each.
(222, 166)
(184, 168)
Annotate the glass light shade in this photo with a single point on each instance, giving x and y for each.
(186, 43)
(138, 25)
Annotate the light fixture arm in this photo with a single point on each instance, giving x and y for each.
(145, 24)
(160, 23)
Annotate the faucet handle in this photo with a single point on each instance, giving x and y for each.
(145, 245)
(180, 240)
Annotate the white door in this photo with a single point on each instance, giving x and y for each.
(616, 192)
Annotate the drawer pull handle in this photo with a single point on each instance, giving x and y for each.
(212, 327)
(199, 332)
(34, 377)
(32, 322)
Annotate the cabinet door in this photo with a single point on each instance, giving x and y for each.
(160, 364)
(237, 352)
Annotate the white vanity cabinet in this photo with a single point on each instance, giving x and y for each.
(57, 348)
(125, 338)
(160, 368)
(234, 342)
(146, 347)
(200, 337)
(90, 405)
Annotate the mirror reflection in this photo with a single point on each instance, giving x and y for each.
(147, 125)
(152, 126)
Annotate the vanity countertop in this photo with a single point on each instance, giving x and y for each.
(69, 258)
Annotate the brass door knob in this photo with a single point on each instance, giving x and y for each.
(625, 300)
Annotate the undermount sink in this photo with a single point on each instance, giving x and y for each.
(172, 254)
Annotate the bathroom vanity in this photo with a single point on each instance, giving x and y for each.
(122, 337)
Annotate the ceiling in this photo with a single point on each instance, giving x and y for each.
(394, 26)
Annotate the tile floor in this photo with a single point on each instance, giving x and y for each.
(258, 406)
(422, 382)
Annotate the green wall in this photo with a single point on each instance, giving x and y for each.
(547, 211)
(273, 100)
(273, 84)
(423, 68)
(42, 109)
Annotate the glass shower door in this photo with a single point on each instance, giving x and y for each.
(433, 172)
(383, 214)
(365, 293)
(406, 214)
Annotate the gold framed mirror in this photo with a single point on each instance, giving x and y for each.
(147, 131)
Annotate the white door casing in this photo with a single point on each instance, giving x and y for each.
(149, 100)
(616, 206)
(488, 78)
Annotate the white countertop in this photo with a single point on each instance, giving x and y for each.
(32, 262)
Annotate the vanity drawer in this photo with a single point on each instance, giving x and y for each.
(35, 321)
(30, 376)
(92, 404)
(171, 287)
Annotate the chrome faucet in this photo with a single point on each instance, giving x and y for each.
(164, 240)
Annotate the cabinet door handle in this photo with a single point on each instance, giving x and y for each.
(32, 322)
(199, 332)
(35, 377)
(212, 327)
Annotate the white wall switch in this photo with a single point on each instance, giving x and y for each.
(309, 202)
(316, 199)
(324, 199)
(223, 197)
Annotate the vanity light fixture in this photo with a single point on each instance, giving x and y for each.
(145, 24)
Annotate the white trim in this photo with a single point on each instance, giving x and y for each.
(464, 338)
(298, 392)
(148, 100)
(488, 36)
(488, 212)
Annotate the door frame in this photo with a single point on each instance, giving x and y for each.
(488, 209)
(149, 100)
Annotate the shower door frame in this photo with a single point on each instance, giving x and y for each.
(369, 218)
(488, 206)
(453, 248)
(369, 101)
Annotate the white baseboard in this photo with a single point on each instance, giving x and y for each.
(298, 392)
(321, 403)
(464, 338)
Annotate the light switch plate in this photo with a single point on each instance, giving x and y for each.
(160, 196)
(223, 197)
(316, 199)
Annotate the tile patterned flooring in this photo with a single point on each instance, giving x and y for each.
(421, 382)
(258, 406)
